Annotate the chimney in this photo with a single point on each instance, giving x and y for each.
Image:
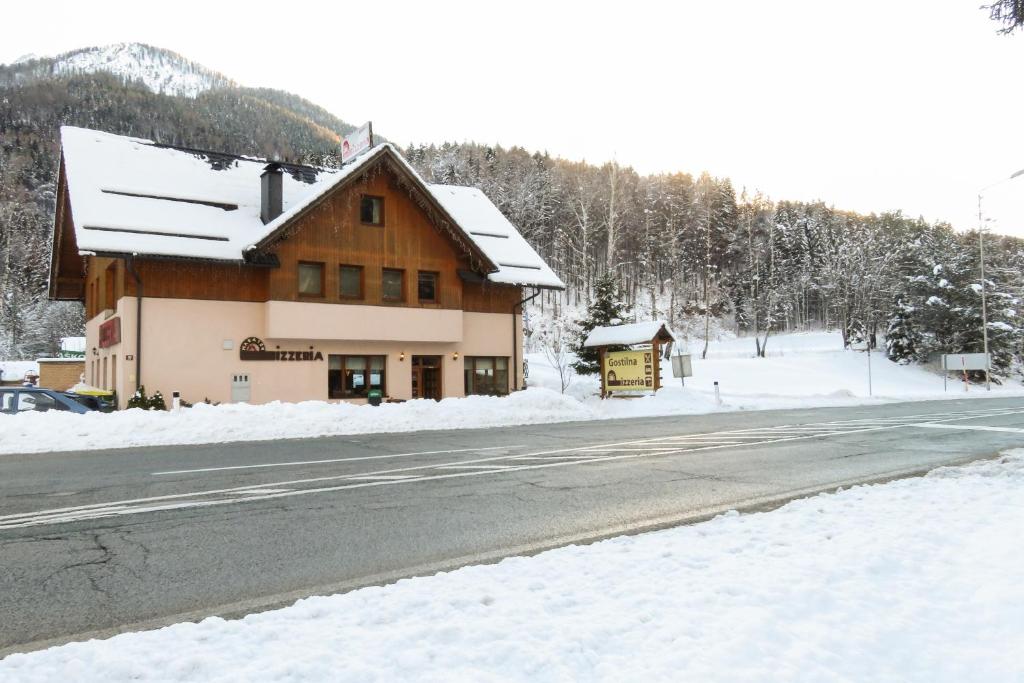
(271, 201)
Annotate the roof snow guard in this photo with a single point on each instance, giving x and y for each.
(134, 196)
(631, 333)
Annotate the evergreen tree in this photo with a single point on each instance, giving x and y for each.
(606, 309)
(939, 307)
(901, 339)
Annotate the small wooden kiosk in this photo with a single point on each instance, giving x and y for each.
(632, 369)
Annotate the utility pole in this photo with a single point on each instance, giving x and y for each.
(984, 306)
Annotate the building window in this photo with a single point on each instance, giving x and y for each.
(392, 285)
(486, 375)
(109, 279)
(426, 287)
(311, 279)
(354, 376)
(350, 282)
(371, 210)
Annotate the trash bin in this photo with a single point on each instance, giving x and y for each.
(374, 396)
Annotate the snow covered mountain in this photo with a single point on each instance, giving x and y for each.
(161, 71)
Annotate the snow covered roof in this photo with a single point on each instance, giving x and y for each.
(518, 263)
(631, 333)
(130, 195)
(133, 196)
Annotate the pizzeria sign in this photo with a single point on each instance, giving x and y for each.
(628, 370)
(253, 348)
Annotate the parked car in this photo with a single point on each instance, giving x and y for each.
(15, 400)
(101, 402)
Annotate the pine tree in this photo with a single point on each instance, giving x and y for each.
(606, 309)
(901, 340)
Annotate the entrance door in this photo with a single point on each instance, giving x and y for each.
(426, 377)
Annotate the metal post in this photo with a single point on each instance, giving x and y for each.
(870, 390)
(984, 307)
(718, 397)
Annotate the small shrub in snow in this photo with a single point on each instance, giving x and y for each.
(140, 400)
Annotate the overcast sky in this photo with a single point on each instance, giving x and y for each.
(870, 105)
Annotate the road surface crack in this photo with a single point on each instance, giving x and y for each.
(93, 568)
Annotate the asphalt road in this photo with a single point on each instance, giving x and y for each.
(93, 543)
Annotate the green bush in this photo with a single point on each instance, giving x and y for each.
(140, 400)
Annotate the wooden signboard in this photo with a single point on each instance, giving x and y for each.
(630, 371)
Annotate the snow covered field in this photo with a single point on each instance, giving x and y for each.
(802, 369)
(806, 370)
(915, 580)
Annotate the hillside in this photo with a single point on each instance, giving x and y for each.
(129, 89)
(161, 71)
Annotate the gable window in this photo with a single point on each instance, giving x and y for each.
(486, 375)
(371, 210)
(426, 287)
(392, 286)
(354, 376)
(311, 278)
(350, 282)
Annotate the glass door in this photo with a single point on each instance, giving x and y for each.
(426, 377)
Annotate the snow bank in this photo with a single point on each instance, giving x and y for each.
(35, 432)
(915, 580)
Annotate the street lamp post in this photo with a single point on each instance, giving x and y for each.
(981, 249)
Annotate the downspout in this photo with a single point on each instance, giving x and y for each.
(130, 266)
(515, 357)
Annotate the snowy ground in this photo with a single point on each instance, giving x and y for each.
(14, 370)
(803, 370)
(915, 580)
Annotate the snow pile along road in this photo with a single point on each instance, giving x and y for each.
(37, 432)
(915, 580)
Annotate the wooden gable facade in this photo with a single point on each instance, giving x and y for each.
(67, 267)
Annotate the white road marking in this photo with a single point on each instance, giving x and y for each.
(475, 467)
(577, 458)
(650, 449)
(319, 462)
(560, 457)
(980, 428)
(383, 476)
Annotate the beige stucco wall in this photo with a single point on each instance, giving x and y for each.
(120, 374)
(304, 320)
(184, 344)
